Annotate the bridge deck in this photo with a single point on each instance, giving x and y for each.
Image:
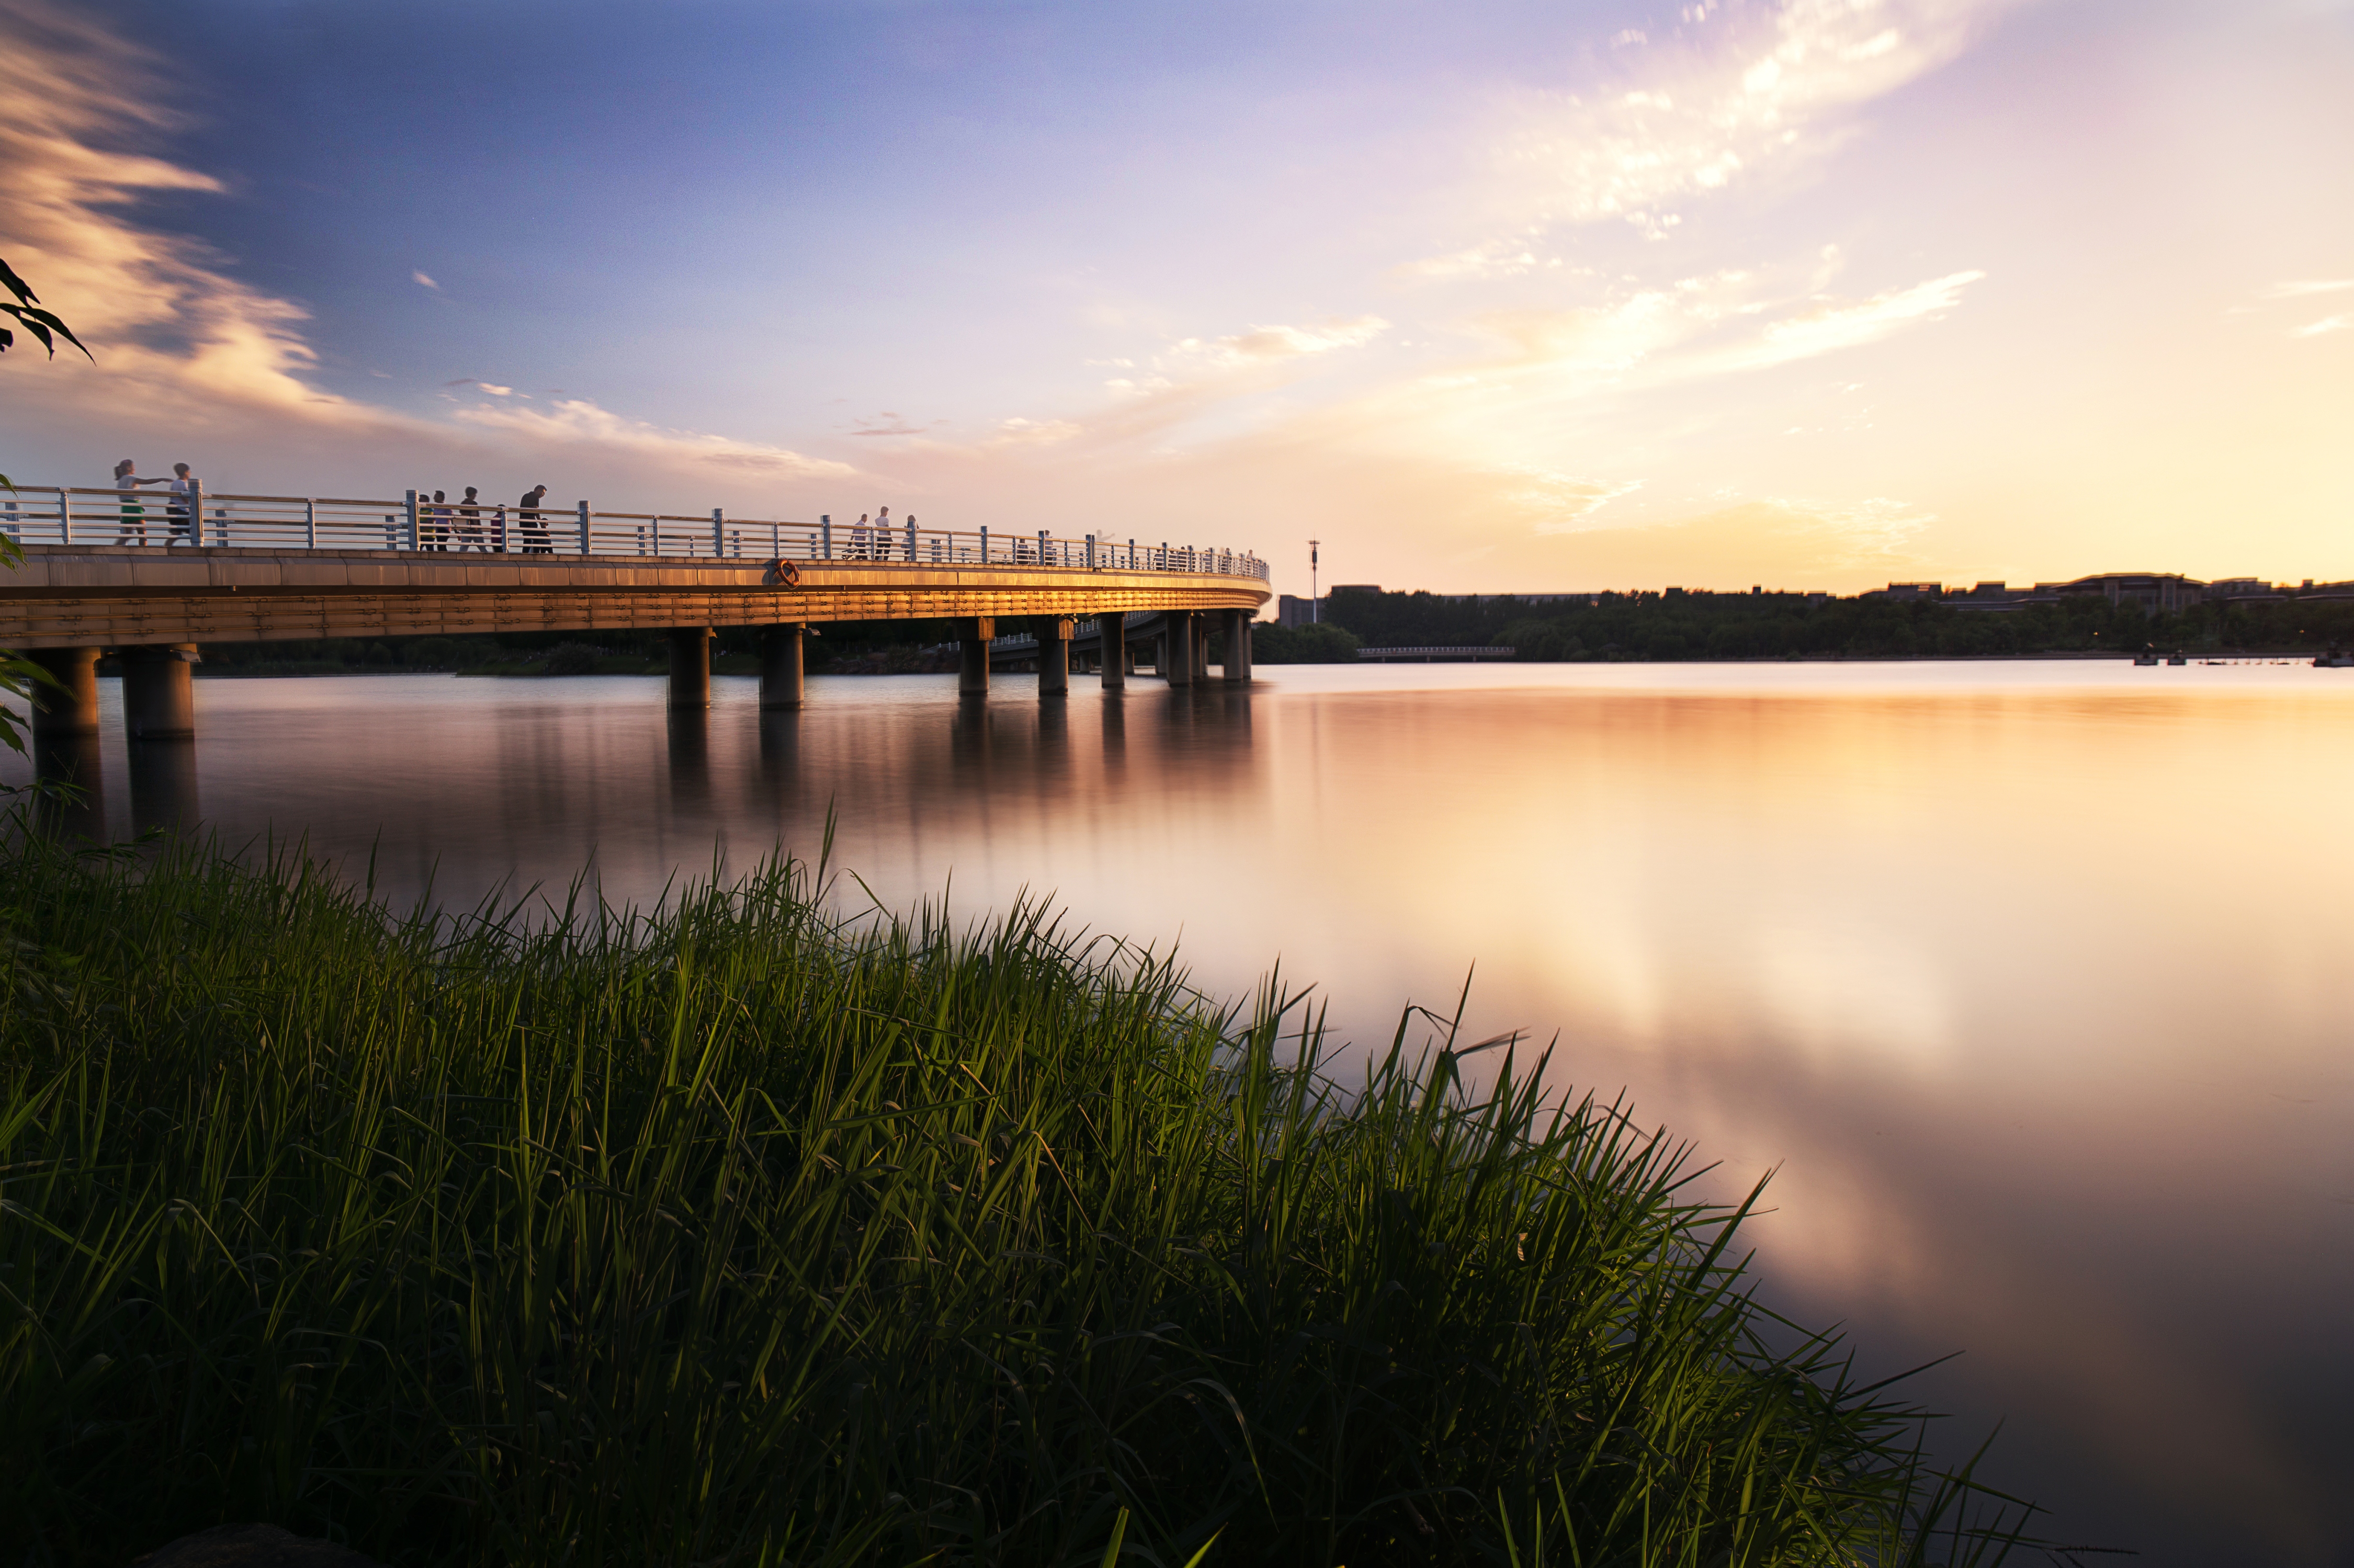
(106, 596)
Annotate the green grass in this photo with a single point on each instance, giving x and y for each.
(736, 1232)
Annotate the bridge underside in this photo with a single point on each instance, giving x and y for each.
(67, 597)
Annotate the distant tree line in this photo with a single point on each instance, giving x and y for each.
(1677, 625)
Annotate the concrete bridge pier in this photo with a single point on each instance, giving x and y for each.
(1111, 648)
(74, 711)
(1238, 649)
(690, 666)
(781, 666)
(1054, 632)
(159, 699)
(973, 663)
(1177, 647)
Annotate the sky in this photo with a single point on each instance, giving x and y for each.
(1485, 297)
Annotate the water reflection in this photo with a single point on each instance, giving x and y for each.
(2031, 981)
(163, 786)
(73, 766)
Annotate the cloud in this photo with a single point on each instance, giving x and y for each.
(168, 326)
(1722, 106)
(889, 424)
(573, 421)
(2300, 290)
(424, 279)
(1715, 324)
(2326, 324)
(1830, 327)
(1564, 502)
(1262, 344)
(1495, 258)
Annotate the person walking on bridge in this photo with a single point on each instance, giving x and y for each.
(470, 523)
(134, 516)
(533, 525)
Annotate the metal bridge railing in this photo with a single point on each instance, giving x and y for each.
(50, 514)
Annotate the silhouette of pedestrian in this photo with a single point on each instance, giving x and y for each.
(534, 527)
(882, 534)
(470, 523)
(183, 510)
(436, 524)
(134, 516)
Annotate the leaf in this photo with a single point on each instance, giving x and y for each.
(18, 286)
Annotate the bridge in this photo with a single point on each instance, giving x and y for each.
(152, 577)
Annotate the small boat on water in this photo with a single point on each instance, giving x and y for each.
(2334, 660)
(2145, 659)
(2175, 659)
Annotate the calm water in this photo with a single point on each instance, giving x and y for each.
(2033, 981)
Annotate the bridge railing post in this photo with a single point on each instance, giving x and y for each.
(584, 527)
(984, 543)
(310, 522)
(719, 534)
(408, 528)
(826, 532)
(911, 538)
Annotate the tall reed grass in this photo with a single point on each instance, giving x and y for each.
(737, 1232)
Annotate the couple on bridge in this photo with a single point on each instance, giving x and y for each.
(180, 511)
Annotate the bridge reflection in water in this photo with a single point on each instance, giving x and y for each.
(151, 578)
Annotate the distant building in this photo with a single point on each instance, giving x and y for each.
(1907, 591)
(2154, 593)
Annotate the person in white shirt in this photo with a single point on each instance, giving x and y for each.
(883, 535)
(134, 516)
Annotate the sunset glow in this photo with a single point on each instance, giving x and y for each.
(1816, 294)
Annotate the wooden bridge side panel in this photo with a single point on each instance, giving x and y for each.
(55, 620)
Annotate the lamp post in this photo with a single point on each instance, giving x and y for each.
(1315, 607)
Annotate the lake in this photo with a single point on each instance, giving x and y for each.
(2032, 983)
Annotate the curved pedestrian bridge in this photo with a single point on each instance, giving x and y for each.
(153, 576)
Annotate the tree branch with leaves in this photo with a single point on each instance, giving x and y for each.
(18, 675)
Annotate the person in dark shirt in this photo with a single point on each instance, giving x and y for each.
(470, 523)
(533, 524)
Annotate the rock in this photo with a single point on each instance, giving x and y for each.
(252, 1546)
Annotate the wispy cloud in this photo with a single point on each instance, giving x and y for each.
(179, 342)
(578, 421)
(2326, 324)
(1690, 118)
(1263, 344)
(1830, 327)
(165, 320)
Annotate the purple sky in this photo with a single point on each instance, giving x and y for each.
(1486, 297)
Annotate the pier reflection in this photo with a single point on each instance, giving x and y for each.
(73, 766)
(163, 786)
